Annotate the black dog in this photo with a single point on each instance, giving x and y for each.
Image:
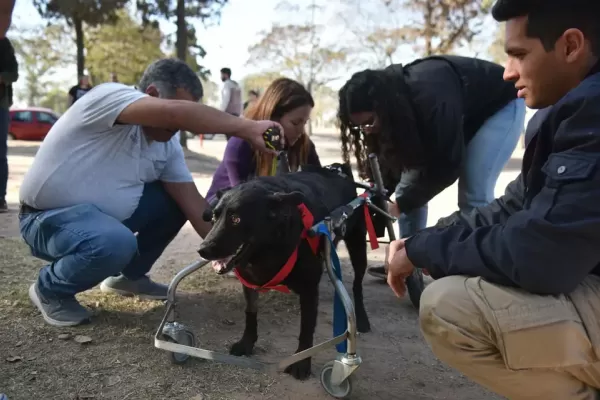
(257, 226)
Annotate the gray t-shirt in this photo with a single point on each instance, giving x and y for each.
(88, 158)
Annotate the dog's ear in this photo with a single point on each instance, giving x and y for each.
(293, 198)
(221, 192)
(207, 215)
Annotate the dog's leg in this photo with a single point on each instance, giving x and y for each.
(309, 303)
(357, 250)
(246, 344)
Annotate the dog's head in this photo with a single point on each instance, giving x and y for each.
(248, 220)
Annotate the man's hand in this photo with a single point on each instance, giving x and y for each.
(254, 134)
(399, 267)
(393, 209)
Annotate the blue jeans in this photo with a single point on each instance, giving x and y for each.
(4, 122)
(486, 155)
(84, 246)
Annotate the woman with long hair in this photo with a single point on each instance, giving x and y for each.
(431, 122)
(287, 102)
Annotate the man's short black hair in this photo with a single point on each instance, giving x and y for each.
(548, 19)
(226, 71)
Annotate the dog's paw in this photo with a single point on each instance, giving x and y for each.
(300, 370)
(242, 348)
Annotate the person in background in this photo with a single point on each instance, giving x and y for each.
(287, 102)
(231, 95)
(516, 301)
(77, 91)
(252, 97)
(430, 122)
(109, 187)
(113, 77)
(6, 10)
(9, 73)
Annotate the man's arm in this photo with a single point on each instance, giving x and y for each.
(181, 115)
(548, 248)
(179, 184)
(497, 212)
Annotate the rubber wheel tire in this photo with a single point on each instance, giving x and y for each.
(178, 358)
(415, 286)
(343, 391)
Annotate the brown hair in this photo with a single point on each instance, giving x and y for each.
(282, 96)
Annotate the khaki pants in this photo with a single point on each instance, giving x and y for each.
(519, 345)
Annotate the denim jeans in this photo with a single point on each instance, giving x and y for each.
(486, 155)
(4, 123)
(84, 246)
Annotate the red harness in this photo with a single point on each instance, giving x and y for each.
(313, 242)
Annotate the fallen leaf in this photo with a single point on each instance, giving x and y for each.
(13, 359)
(33, 372)
(64, 336)
(228, 322)
(31, 358)
(19, 344)
(81, 339)
(94, 374)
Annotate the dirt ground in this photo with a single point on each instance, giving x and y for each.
(121, 362)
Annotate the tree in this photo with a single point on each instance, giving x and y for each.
(76, 13)
(259, 81)
(41, 51)
(55, 99)
(211, 93)
(296, 50)
(186, 45)
(107, 52)
(496, 48)
(430, 26)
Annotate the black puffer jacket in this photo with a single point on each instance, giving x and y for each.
(452, 97)
(543, 235)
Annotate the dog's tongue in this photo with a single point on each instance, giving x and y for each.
(219, 265)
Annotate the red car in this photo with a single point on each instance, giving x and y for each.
(30, 123)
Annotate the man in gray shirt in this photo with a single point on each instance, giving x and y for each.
(109, 187)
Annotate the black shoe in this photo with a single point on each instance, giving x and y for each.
(3, 206)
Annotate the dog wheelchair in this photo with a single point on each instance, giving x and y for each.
(336, 376)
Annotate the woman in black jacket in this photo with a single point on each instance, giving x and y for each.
(431, 122)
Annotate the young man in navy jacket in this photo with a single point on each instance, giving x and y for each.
(516, 301)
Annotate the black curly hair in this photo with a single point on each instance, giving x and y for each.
(398, 143)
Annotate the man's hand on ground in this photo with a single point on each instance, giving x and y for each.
(399, 267)
(254, 134)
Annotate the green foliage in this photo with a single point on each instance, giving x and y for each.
(55, 99)
(78, 12)
(41, 52)
(108, 52)
(496, 48)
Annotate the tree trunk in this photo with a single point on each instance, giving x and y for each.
(78, 24)
(182, 49)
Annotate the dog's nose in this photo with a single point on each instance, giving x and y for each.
(205, 251)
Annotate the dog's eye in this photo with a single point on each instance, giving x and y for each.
(235, 219)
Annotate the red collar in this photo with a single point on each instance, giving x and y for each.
(275, 283)
(369, 223)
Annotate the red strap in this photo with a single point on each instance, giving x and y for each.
(275, 283)
(369, 222)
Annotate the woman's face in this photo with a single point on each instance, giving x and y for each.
(366, 122)
(293, 123)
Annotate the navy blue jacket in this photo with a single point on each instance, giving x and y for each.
(543, 235)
